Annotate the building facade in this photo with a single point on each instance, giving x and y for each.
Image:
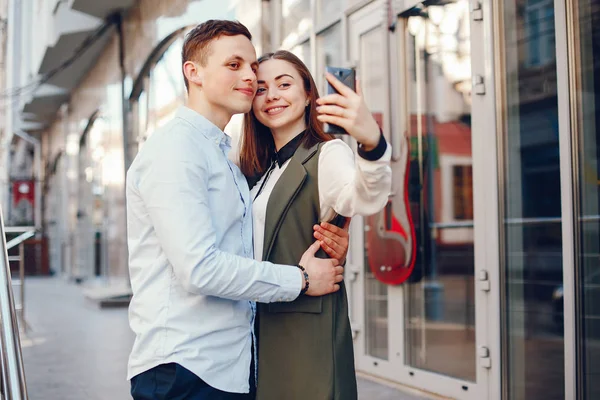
(492, 232)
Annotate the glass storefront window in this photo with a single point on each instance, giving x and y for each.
(329, 52)
(167, 89)
(164, 91)
(439, 296)
(296, 20)
(588, 176)
(531, 204)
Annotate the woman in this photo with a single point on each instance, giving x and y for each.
(300, 176)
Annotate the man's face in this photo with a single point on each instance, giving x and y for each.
(229, 76)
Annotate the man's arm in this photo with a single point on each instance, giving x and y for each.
(175, 192)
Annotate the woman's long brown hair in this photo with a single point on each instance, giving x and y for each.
(257, 146)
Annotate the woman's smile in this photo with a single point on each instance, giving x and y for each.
(276, 110)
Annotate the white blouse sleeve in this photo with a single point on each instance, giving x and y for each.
(349, 184)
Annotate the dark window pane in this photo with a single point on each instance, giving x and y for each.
(588, 143)
(532, 205)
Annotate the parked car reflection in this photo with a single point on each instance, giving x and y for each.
(590, 310)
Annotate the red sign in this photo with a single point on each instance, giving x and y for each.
(23, 200)
(390, 238)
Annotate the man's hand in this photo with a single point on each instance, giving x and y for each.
(324, 275)
(334, 240)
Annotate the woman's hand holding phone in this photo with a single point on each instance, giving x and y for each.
(348, 110)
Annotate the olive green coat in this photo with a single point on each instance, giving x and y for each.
(304, 347)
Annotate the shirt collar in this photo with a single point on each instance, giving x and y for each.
(202, 124)
(287, 151)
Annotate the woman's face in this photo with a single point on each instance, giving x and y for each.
(281, 100)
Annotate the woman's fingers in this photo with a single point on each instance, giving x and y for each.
(335, 110)
(334, 99)
(332, 119)
(334, 240)
(339, 86)
(331, 230)
(332, 249)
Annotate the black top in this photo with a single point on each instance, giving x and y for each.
(287, 151)
(376, 153)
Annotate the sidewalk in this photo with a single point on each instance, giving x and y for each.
(74, 350)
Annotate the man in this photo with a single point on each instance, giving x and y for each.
(190, 237)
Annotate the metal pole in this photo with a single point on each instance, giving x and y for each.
(11, 65)
(126, 133)
(12, 359)
(22, 279)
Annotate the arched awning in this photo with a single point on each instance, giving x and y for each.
(153, 59)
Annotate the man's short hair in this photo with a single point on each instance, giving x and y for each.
(196, 46)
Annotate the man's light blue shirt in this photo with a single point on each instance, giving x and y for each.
(189, 234)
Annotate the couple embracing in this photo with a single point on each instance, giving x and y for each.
(233, 298)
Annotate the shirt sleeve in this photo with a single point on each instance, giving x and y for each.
(174, 189)
(352, 185)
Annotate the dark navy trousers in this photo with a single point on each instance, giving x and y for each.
(173, 382)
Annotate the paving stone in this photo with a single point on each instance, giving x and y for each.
(74, 350)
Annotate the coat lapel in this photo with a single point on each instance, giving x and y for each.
(284, 192)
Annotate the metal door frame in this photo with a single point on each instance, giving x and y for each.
(368, 16)
(486, 212)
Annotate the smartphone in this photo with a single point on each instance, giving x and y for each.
(348, 77)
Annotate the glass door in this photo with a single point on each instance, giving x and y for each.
(585, 124)
(440, 298)
(376, 309)
(425, 332)
(532, 203)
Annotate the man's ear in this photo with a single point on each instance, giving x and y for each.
(193, 73)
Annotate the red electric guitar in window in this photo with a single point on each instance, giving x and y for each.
(390, 237)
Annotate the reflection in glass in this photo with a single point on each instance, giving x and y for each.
(532, 235)
(539, 26)
(113, 180)
(372, 75)
(164, 91)
(588, 145)
(91, 201)
(329, 52)
(439, 296)
(297, 20)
